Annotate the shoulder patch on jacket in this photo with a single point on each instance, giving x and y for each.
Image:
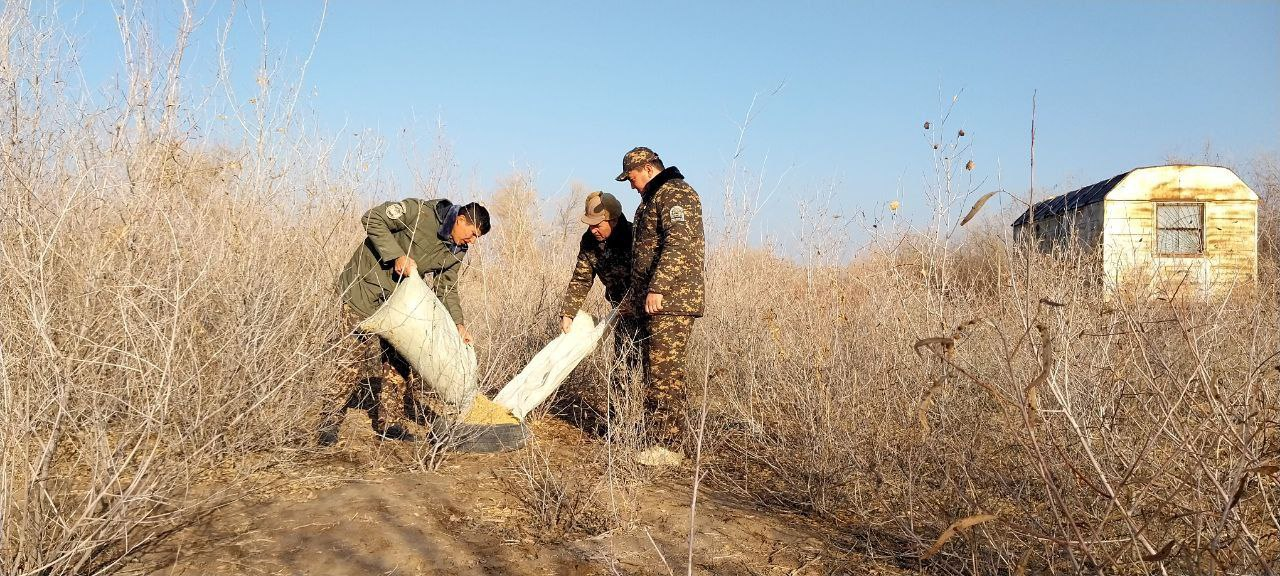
(677, 214)
(395, 210)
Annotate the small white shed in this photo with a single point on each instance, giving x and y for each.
(1164, 229)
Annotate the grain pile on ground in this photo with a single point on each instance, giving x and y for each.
(488, 427)
(485, 413)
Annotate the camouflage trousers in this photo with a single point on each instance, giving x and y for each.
(362, 359)
(665, 341)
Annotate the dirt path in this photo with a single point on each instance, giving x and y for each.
(552, 508)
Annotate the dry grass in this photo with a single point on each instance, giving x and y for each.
(167, 311)
(1096, 432)
(166, 304)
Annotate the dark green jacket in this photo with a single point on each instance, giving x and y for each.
(609, 260)
(413, 227)
(668, 246)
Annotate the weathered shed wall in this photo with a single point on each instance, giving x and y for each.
(1089, 225)
(1229, 259)
(1080, 229)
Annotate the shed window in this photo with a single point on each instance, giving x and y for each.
(1180, 228)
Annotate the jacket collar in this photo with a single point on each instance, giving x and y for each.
(667, 175)
(621, 236)
(447, 213)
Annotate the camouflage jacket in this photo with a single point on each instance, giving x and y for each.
(609, 260)
(412, 227)
(668, 246)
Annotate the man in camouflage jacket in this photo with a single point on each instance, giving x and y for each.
(667, 290)
(605, 253)
(410, 236)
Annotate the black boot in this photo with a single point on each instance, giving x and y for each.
(399, 432)
(327, 435)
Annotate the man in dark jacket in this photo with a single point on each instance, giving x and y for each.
(667, 292)
(410, 236)
(605, 253)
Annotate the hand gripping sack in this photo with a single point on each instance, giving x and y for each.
(415, 322)
(551, 366)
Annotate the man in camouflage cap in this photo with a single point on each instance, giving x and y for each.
(668, 248)
(411, 236)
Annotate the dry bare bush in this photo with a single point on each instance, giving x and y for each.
(1263, 176)
(167, 304)
(1124, 436)
(514, 279)
(945, 385)
(560, 501)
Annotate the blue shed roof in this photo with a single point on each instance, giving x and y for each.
(1073, 200)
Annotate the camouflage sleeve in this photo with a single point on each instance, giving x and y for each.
(381, 223)
(446, 288)
(681, 226)
(579, 284)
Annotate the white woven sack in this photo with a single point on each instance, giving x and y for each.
(419, 327)
(551, 366)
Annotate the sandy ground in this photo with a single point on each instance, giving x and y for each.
(561, 505)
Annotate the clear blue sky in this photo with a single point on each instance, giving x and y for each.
(566, 87)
